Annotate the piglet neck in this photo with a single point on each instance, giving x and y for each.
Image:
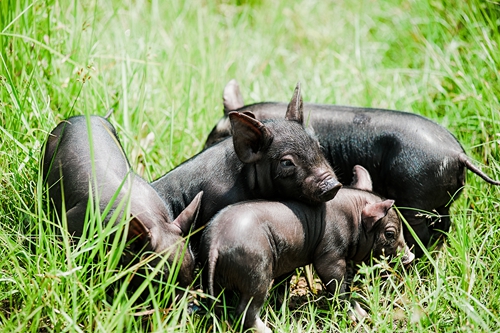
(363, 244)
(258, 181)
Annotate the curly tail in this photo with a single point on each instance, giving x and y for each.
(469, 165)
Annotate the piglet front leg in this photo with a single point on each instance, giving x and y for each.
(332, 272)
(337, 276)
(357, 312)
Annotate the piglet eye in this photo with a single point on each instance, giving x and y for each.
(389, 234)
(286, 163)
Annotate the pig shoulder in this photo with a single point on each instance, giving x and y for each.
(343, 229)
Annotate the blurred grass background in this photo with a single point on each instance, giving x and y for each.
(162, 66)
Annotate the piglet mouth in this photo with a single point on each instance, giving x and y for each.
(408, 256)
(329, 188)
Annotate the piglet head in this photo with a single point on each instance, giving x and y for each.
(287, 161)
(168, 238)
(382, 220)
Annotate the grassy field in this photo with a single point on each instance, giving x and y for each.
(162, 67)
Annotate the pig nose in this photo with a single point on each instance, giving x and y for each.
(329, 187)
(408, 256)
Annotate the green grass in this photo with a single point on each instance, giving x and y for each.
(162, 67)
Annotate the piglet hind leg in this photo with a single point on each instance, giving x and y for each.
(222, 299)
(253, 305)
(75, 218)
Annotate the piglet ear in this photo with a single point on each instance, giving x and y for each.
(137, 230)
(232, 98)
(295, 110)
(374, 212)
(361, 179)
(249, 113)
(250, 137)
(189, 215)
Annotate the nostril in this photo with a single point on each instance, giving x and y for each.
(336, 184)
(330, 189)
(408, 256)
(331, 184)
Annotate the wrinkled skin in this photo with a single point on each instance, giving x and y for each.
(411, 159)
(262, 160)
(68, 167)
(249, 244)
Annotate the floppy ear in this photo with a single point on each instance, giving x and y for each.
(232, 98)
(189, 215)
(294, 110)
(137, 230)
(362, 179)
(250, 137)
(249, 113)
(374, 212)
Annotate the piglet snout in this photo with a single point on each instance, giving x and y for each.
(408, 256)
(329, 188)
